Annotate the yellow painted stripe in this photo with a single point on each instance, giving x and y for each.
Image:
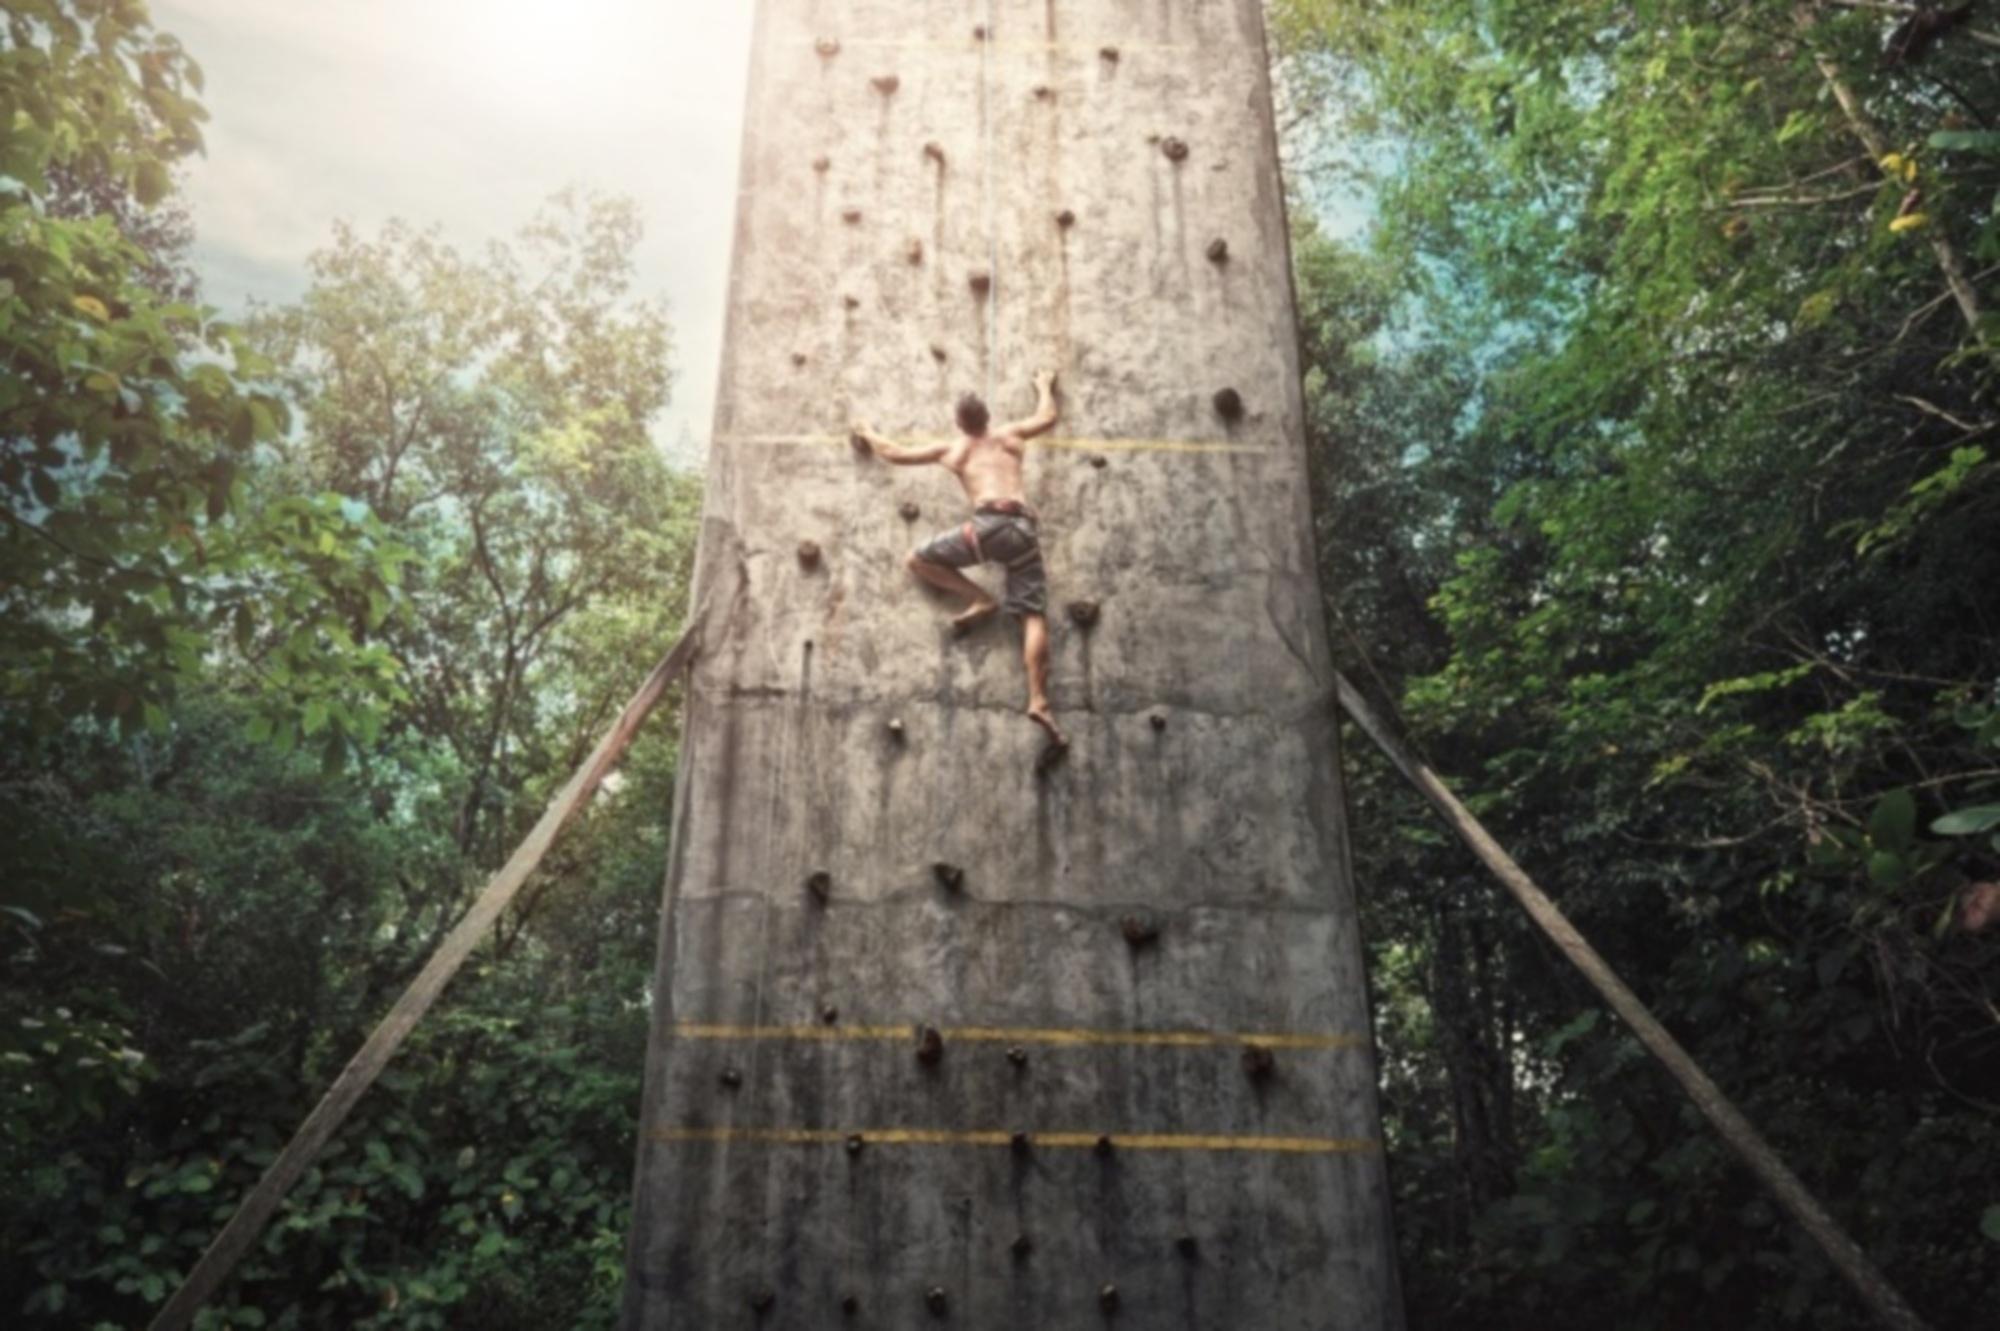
(1073, 445)
(1022, 1035)
(1069, 1141)
(970, 43)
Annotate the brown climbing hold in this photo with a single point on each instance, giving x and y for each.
(981, 282)
(939, 354)
(827, 46)
(1065, 219)
(1229, 405)
(829, 1014)
(950, 877)
(1159, 720)
(896, 729)
(850, 215)
(820, 883)
(936, 1301)
(909, 510)
(1104, 1146)
(1218, 250)
(762, 1300)
(1042, 92)
(930, 1046)
(1108, 53)
(979, 32)
(849, 1305)
(1139, 930)
(821, 163)
(855, 1142)
(1020, 1141)
(851, 302)
(1187, 1246)
(1107, 1297)
(935, 151)
(1022, 1246)
(1098, 460)
(808, 554)
(1083, 614)
(731, 1078)
(1017, 1056)
(914, 251)
(886, 83)
(1259, 1064)
(1175, 150)
(798, 358)
(859, 444)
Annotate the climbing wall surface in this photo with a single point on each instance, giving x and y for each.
(1146, 1088)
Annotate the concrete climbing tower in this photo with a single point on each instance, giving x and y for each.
(937, 1037)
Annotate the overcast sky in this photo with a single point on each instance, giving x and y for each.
(468, 113)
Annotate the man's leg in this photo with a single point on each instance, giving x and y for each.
(979, 605)
(1035, 655)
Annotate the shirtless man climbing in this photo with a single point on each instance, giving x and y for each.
(1002, 530)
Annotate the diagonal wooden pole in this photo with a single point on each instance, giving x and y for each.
(1845, 1254)
(255, 1210)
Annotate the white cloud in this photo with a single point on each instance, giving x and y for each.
(467, 113)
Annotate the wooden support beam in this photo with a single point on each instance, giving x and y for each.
(361, 1071)
(1845, 1254)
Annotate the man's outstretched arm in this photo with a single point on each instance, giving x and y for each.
(1045, 409)
(890, 451)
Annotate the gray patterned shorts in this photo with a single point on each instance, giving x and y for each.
(997, 538)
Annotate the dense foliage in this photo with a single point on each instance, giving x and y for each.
(1655, 417)
(304, 621)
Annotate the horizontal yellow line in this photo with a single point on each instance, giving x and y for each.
(1075, 445)
(1020, 1035)
(971, 43)
(1068, 1141)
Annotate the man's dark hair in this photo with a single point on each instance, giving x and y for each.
(972, 416)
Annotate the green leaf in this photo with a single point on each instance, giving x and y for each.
(1893, 824)
(151, 182)
(1967, 822)
(1984, 141)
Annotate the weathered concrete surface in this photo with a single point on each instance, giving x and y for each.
(1202, 792)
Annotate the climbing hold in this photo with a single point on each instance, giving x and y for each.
(1021, 1246)
(1139, 930)
(1104, 1146)
(851, 216)
(930, 1046)
(731, 1078)
(1083, 614)
(950, 877)
(808, 554)
(1159, 720)
(1065, 219)
(1020, 1142)
(821, 163)
(829, 1014)
(1259, 1064)
(935, 1300)
(798, 358)
(1218, 250)
(854, 1143)
(1187, 1246)
(982, 282)
(827, 46)
(935, 151)
(1107, 1297)
(1098, 460)
(979, 32)
(1108, 53)
(849, 1305)
(859, 444)
(939, 354)
(909, 510)
(761, 1300)
(1042, 92)
(1017, 1056)
(1228, 404)
(896, 729)
(886, 83)
(820, 883)
(914, 251)
(1175, 150)
(851, 302)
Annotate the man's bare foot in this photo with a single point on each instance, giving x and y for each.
(1038, 712)
(973, 616)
